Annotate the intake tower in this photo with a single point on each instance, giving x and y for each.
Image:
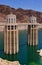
(11, 35)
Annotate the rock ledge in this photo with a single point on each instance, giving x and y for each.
(6, 62)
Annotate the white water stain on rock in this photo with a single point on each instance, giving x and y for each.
(6, 62)
(40, 52)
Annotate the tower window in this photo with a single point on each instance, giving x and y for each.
(12, 20)
(15, 26)
(8, 27)
(9, 20)
(32, 21)
(32, 26)
(12, 27)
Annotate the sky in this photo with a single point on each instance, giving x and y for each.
(25, 4)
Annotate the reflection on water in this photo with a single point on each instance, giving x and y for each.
(27, 54)
(33, 56)
(11, 57)
(22, 55)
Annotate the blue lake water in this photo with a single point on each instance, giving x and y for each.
(27, 54)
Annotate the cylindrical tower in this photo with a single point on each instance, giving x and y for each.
(33, 31)
(11, 45)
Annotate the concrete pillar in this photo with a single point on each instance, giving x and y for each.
(28, 34)
(36, 36)
(4, 40)
(14, 43)
(7, 40)
(17, 42)
(33, 36)
(10, 42)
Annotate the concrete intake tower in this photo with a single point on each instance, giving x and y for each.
(33, 31)
(11, 35)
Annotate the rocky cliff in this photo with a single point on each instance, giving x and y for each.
(22, 15)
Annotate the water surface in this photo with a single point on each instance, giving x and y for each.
(27, 54)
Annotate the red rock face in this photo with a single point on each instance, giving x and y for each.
(22, 15)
